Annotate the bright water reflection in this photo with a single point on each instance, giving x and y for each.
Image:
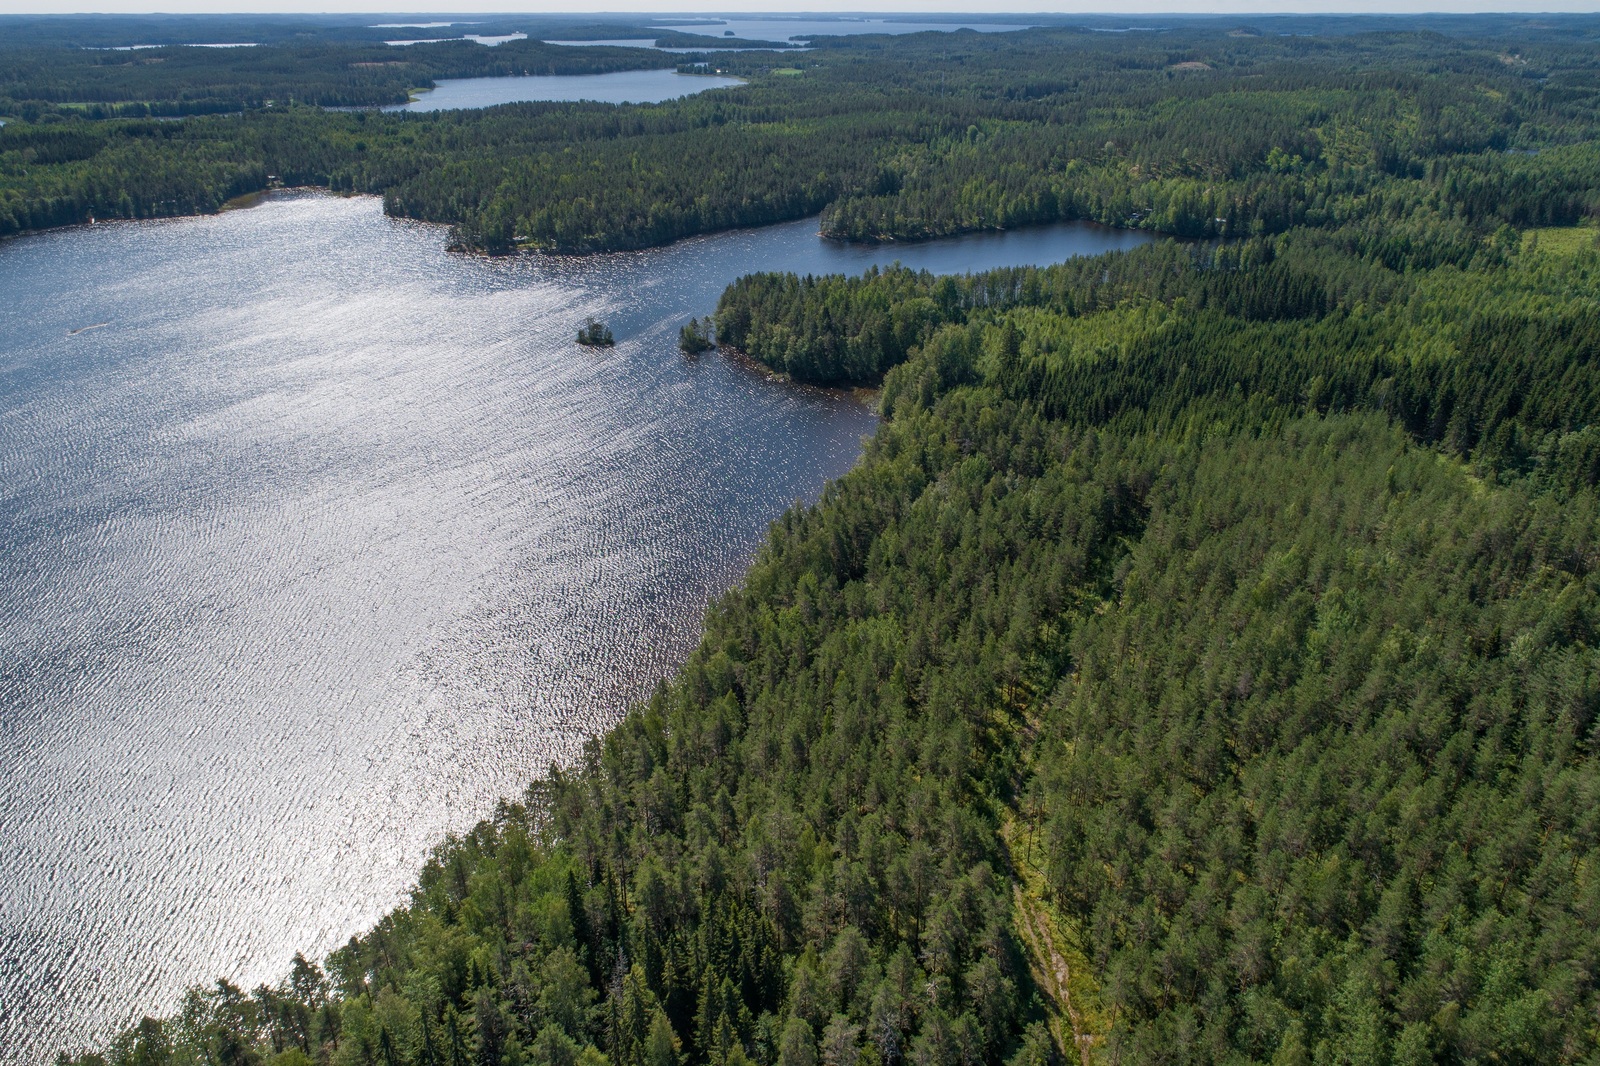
(322, 540)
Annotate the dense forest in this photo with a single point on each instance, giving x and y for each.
(1206, 132)
(1200, 665)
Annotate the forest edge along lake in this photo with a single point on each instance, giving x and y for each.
(328, 540)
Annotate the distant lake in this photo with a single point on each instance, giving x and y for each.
(320, 539)
(776, 29)
(650, 42)
(490, 41)
(142, 47)
(623, 87)
(797, 29)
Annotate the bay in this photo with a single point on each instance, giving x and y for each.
(316, 540)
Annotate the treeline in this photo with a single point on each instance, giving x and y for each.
(1189, 132)
(59, 175)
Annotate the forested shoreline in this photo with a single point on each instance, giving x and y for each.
(1289, 702)
(1198, 667)
(1198, 133)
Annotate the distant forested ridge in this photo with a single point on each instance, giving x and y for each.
(1204, 131)
(1201, 664)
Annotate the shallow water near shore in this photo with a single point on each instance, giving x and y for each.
(323, 539)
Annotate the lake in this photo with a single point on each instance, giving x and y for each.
(319, 539)
(784, 29)
(623, 87)
(650, 42)
(780, 29)
(490, 41)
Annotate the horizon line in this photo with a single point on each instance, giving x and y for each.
(1263, 9)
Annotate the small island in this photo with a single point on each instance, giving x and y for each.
(595, 334)
(696, 337)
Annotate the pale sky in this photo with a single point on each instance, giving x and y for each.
(767, 7)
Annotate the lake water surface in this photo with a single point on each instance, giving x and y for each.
(781, 29)
(622, 87)
(784, 29)
(315, 540)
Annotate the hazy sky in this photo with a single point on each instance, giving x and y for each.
(991, 10)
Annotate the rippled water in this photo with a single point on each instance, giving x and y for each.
(322, 539)
(622, 87)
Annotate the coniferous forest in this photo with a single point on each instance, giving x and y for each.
(1200, 665)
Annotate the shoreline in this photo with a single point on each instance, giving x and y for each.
(865, 396)
(259, 196)
(797, 407)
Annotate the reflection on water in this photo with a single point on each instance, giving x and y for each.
(324, 540)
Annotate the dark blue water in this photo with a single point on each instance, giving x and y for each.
(315, 540)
